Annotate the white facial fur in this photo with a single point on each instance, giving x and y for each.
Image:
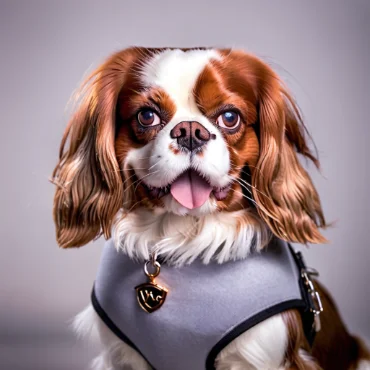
(176, 233)
(176, 72)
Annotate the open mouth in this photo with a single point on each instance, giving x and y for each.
(190, 189)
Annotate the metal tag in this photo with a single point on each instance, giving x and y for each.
(150, 295)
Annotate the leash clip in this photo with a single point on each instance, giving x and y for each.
(316, 307)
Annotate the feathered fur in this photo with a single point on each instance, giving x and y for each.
(110, 166)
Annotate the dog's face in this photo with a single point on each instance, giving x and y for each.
(191, 132)
(185, 132)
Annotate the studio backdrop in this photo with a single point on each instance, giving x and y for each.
(320, 48)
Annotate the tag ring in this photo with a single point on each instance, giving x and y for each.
(157, 266)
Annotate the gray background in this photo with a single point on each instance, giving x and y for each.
(322, 50)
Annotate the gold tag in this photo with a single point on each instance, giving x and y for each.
(150, 295)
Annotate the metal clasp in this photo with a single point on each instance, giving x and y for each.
(157, 269)
(317, 305)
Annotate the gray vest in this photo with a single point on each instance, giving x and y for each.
(207, 306)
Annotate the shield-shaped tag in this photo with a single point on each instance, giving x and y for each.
(150, 296)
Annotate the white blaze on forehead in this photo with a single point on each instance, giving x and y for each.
(176, 72)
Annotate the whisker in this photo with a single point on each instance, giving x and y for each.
(155, 164)
(246, 197)
(253, 187)
(239, 181)
(256, 168)
(138, 181)
(145, 168)
(141, 180)
(151, 156)
(133, 175)
(244, 187)
(136, 168)
(248, 184)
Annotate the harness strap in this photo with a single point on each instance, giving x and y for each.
(313, 307)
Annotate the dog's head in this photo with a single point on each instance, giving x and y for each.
(189, 132)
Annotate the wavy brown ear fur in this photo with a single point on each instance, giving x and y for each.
(287, 200)
(89, 184)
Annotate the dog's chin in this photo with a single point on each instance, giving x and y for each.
(173, 206)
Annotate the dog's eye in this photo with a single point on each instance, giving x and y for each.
(229, 120)
(147, 117)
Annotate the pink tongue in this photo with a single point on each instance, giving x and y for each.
(191, 190)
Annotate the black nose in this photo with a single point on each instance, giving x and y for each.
(190, 135)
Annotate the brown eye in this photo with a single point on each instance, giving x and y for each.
(147, 117)
(229, 120)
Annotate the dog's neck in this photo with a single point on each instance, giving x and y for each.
(179, 240)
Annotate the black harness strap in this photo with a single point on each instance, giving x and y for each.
(308, 313)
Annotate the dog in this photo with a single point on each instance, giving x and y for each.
(187, 161)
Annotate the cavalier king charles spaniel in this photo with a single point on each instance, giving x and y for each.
(188, 159)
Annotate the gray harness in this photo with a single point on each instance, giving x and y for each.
(207, 306)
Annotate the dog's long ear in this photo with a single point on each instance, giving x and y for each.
(286, 197)
(89, 184)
